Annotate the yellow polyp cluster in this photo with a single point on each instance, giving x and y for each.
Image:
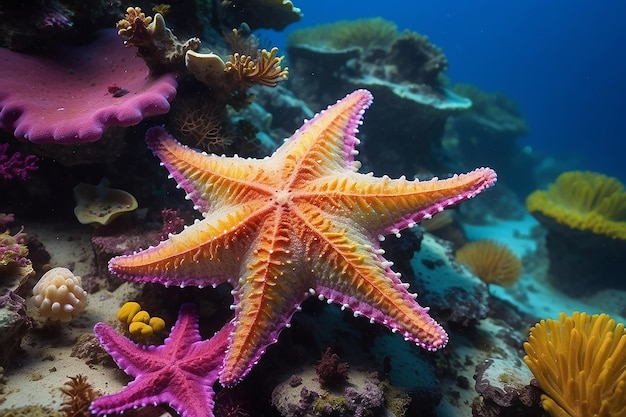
(140, 324)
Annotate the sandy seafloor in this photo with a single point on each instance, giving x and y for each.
(46, 364)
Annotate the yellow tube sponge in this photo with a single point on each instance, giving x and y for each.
(584, 200)
(580, 364)
(492, 262)
(59, 295)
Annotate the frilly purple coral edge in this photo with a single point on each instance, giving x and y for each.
(65, 95)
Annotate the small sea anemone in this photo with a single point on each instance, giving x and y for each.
(492, 262)
(580, 363)
(59, 295)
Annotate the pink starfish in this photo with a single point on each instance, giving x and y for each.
(180, 373)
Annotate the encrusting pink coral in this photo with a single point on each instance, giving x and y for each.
(71, 94)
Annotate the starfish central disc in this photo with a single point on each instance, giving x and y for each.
(319, 236)
(283, 197)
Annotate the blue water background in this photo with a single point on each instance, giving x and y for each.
(563, 62)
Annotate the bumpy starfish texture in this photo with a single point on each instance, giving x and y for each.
(302, 222)
(180, 373)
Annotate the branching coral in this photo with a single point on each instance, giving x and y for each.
(586, 201)
(492, 262)
(155, 43)
(16, 165)
(201, 124)
(330, 370)
(580, 363)
(229, 81)
(264, 70)
(134, 25)
(79, 394)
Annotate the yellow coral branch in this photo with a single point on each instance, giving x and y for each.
(264, 70)
(134, 18)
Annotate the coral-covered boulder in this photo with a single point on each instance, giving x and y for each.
(403, 71)
(71, 94)
(584, 214)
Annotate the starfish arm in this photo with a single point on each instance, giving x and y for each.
(351, 271)
(210, 181)
(384, 205)
(205, 253)
(132, 358)
(188, 395)
(268, 295)
(325, 144)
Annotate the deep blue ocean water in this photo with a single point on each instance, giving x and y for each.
(563, 62)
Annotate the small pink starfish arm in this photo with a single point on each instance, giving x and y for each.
(180, 373)
(302, 222)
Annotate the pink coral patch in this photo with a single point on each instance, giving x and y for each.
(64, 95)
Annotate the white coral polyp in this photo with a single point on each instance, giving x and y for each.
(59, 295)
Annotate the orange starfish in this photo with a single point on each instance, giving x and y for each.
(302, 222)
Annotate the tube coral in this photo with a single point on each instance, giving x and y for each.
(580, 363)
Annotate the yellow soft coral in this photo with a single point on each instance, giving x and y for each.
(264, 70)
(580, 364)
(492, 262)
(584, 200)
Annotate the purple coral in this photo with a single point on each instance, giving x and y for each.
(16, 165)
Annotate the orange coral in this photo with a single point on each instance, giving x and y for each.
(580, 363)
(265, 69)
(492, 262)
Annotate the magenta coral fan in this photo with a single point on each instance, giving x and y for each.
(72, 94)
